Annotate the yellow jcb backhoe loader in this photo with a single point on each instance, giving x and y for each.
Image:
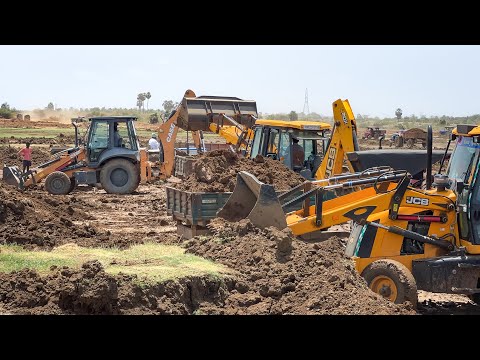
(324, 155)
(403, 239)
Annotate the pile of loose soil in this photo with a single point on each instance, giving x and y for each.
(216, 171)
(9, 157)
(282, 275)
(40, 219)
(90, 290)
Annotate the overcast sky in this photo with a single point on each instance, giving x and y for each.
(421, 80)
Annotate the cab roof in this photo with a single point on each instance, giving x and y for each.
(113, 118)
(466, 130)
(298, 124)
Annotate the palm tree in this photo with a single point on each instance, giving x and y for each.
(148, 96)
(398, 113)
(140, 99)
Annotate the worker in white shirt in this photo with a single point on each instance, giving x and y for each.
(153, 144)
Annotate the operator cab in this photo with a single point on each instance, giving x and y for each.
(111, 136)
(462, 174)
(300, 145)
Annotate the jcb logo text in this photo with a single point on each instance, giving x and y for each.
(330, 161)
(417, 201)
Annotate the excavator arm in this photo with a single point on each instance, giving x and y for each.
(343, 140)
(239, 137)
(60, 162)
(390, 193)
(167, 135)
(229, 117)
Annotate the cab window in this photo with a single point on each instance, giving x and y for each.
(256, 142)
(284, 148)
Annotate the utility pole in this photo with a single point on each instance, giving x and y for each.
(306, 109)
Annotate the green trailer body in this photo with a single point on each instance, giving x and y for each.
(196, 209)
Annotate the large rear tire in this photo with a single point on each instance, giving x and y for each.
(399, 142)
(392, 280)
(119, 176)
(73, 184)
(58, 183)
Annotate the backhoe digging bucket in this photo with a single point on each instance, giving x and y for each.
(12, 175)
(196, 113)
(254, 200)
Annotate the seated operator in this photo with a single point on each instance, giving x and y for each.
(298, 155)
(117, 139)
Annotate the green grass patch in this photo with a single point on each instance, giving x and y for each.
(151, 262)
(35, 132)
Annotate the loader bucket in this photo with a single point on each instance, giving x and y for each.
(196, 113)
(11, 175)
(254, 200)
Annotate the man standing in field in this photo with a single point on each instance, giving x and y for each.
(153, 142)
(26, 154)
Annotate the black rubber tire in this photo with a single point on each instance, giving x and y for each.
(475, 298)
(411, 143)
(396, 272)
(58, 183)
(119, 176)
(73, 184)
(399, 142)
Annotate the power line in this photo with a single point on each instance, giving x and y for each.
(305, 105)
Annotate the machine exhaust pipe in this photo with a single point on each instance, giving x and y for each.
(429, 157)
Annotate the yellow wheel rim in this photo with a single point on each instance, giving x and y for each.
(384, 286)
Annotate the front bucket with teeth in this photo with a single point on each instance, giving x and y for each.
(254, 200)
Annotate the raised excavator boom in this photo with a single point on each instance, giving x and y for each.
(230, 117)
(342, 141)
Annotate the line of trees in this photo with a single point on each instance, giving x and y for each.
(168, 106)
(292, 116)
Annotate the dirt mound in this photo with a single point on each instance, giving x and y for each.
(8, 156)
(216, 171)
(283, 275)
(90, 290)
(41, 219)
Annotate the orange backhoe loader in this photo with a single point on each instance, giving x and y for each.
(109, 155)
(230, 117)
